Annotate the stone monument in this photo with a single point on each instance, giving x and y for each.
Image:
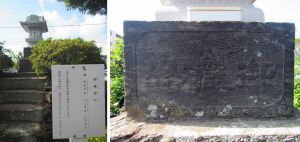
(196, 70)
(208, 81)
(35, 26)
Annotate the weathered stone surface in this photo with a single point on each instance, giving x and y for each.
(193, 70)
(21, 112)
(22, 96)
(21, 119)
(21, 74)
(22, 83)
(25, 65)
(230, 130)
(27, 52)
(26, 132)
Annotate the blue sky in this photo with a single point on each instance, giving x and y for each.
(274, 10)
(55, 13)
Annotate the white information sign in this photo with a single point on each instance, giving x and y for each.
(78, 104)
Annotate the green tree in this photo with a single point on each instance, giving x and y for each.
(297, 77)
(297, 83)
(62, 52)
(5, 61)
(92, 7)
(297, 41)
(15, 57)
(117, 77)
(99, 139)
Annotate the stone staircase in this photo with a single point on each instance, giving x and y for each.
(22, 109)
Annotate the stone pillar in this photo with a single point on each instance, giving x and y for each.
(176, 10)
(35, 26)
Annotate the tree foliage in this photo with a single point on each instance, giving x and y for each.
(5, 61)
(117, 77)
(297, 40)
(15, 57)
(297, 78)
(99, 139)
(92, 7)
(297, 83)
(62, 52)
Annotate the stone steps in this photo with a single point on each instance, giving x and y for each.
(22, 96)
(21, 112)
(22, 83)
(20, 74)
(19, 131)
(25, 132)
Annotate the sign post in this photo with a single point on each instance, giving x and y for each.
(78, 102)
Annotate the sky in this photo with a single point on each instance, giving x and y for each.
(55, 14)
(144, 10)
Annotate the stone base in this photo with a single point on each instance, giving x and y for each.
(11, 131)
(25, 65)
(224, 130)
(27, 52)
(179, 13)
(1, 73)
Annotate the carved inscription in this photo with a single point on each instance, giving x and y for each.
(209, 72)
(206, 70)
(211, 67)
(254, 71)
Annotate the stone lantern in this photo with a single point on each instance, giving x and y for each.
(35, 26)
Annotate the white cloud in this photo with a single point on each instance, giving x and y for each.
(120, 10)
(53, 18)
(41, 3)
(103, 45)
(15, 37)
(93, 32)
(87, 30)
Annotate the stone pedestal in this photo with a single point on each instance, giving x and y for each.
(25, 65)
(176, 10)
(228, 130)
(207, 70)
(27, 52)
